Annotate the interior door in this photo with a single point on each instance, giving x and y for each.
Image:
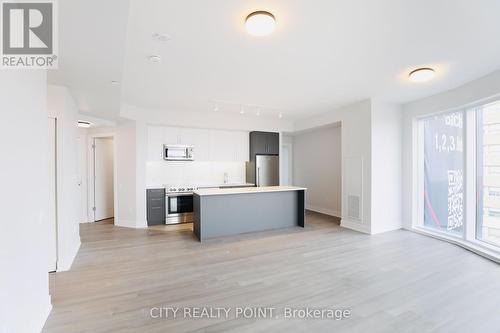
(52, 212)
(103, 179)
(267, 170)
(82, 182)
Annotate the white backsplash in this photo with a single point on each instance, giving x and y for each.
(175, 173)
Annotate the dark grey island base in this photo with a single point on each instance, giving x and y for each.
(223, 212)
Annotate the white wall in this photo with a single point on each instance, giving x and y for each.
(140, 181)
(470, 93)
(61, 105)
(356, 145)
(386, 167)
(317, 160)
(125, 149)
(24, 287)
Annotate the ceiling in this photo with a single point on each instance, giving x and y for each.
(323, 53)
(92, 39)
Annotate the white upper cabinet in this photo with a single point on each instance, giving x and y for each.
(228, 146)
(209, 145)
(155, 143)
(171, 135)
(199, 139)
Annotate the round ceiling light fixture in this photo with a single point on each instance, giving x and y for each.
(422, 74)
(260, 23)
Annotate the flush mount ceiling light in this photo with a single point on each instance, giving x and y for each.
(260, 23)
(84, 123)
(422, 75)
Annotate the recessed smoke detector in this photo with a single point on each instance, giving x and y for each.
(154, 58)
(160, 37)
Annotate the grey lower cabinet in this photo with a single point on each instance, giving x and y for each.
(264, 143)
(155, 202)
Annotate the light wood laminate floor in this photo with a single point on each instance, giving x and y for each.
(393, 282)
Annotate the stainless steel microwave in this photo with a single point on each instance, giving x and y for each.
(178, 153)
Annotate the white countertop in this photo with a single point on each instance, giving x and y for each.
(202, 187)
(206, 186)
(245, 190)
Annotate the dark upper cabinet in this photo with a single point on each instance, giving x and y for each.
(264, 143)
(273, 143)
(155, 206)
(258, 144)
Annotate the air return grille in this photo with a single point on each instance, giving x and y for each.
(353, 207)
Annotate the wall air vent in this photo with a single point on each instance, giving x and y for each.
(353, 207)
(353, 187)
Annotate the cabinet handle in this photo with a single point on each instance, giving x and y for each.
(258, 176)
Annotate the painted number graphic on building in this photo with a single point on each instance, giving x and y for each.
(455, 199)
(444, 160)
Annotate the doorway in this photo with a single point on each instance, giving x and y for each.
(287, 160)
(103, 194)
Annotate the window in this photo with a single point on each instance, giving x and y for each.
(457, 173)
(444, 173)
(488, 173)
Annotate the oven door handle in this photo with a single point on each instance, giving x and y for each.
(178, 194)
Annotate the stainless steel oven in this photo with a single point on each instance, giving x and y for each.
(179, 205)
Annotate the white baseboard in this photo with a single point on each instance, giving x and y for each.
(325, 211)
(356, 226)
(44, 315)
(391, 227)
(131, 224)
(141, 224)
(125, 223)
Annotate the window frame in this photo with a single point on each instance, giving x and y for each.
(468, 239)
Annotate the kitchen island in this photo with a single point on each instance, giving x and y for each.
(232, 211)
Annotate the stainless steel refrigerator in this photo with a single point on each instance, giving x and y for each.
(264, 170)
